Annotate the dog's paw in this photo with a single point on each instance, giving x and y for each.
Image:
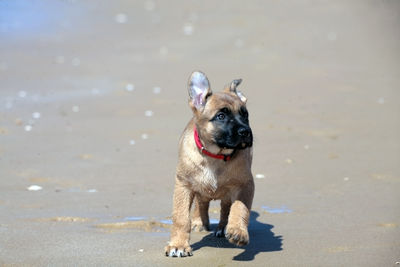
(178, 251)
(237, 236)
(198, 226)
(219, 233)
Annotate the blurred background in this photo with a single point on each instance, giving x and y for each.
(93, 100)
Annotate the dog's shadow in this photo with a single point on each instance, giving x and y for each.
(262, 239)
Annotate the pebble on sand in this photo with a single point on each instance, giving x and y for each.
(22, 94)
(75, 62)
(28, 128)
(9, 105)
(289, 161)
(188, 29)
(34, 188)
(86, 156)
(95, 91)
(60, 59)
(148, 113)
(92, 191)
(121, 18)
(75, 108)
(130, 87)
(157, 90)
(36, 115)
(260, 176)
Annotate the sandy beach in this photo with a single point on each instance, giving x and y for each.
(93, 99)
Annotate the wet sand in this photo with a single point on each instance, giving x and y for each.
(93, 100)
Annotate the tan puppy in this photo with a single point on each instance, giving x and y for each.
(215, 158)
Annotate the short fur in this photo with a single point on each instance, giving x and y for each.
(200, 178)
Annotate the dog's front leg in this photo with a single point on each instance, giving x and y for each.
(223, 221)
(180, 234)
(200, 219)
(236, 230)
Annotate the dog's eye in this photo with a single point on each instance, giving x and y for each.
(225, 110)
(221, 116)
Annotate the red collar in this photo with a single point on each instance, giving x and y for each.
(206, 152)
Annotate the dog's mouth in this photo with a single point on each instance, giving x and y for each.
(239, 141)
(239, 146)
(243, 145)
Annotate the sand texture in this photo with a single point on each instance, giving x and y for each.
(93, 99)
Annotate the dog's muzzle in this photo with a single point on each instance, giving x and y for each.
(245, 137)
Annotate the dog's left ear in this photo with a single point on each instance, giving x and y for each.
(199, 90)
(233, 88)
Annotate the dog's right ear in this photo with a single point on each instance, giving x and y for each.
(199, 90)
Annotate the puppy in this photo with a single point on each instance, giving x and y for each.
(215, 155)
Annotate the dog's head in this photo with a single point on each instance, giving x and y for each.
(221, 118)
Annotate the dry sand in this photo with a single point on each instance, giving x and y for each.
(93, 100)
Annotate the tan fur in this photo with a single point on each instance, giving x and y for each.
(200, 179)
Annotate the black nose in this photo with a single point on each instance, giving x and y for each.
(244, 132)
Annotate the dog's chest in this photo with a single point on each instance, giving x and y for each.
(210, 180)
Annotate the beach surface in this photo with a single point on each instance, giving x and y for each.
(93, 99)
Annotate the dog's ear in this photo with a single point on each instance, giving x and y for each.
(233, 88)
(199, 90)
